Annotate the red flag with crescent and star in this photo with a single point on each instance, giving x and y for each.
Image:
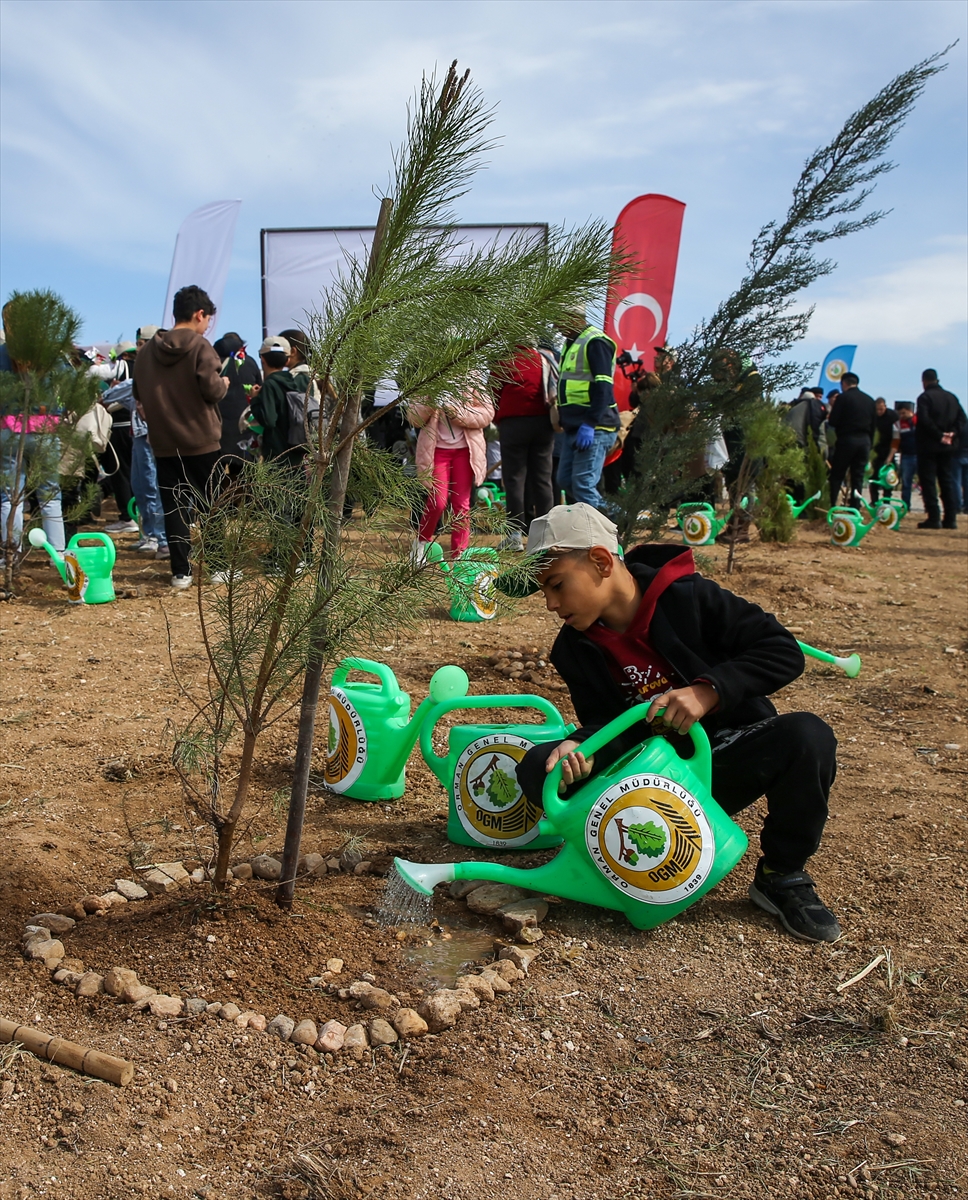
(637, 310)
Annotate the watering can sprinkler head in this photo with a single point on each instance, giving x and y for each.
(449, 683)
(424, 877)
(38, 538)
(850, 665)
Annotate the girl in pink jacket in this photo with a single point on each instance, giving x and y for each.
(451, 461)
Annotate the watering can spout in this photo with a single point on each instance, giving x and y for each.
(424, 877)
(38, 539)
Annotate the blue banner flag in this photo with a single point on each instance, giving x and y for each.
(837, 363)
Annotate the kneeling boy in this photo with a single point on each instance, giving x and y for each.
(650, 630)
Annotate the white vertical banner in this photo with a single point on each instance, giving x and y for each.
(203, 252)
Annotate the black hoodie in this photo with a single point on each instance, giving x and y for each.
(705, 633)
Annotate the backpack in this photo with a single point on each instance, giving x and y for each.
(303, 410)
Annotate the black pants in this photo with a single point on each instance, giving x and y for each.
(937, 468)
(185, 483)
(527, 444)
(118, 482)
(791, 759)
(850, 455)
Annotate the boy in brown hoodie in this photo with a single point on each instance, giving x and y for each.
(178, 386)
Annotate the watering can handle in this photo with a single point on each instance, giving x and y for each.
(438, 764)
(96, 537)
(701, 762)
(380, 670)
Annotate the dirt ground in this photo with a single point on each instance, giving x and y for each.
(713, 1056)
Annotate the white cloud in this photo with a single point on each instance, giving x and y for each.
(918, 303)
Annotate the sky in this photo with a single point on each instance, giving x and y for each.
(117, 119)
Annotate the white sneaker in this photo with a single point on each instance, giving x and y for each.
(147, 545)
(162, 551)
(180, 582)
(513, 541)
(225, 576)
(122, 527)
(418, 552)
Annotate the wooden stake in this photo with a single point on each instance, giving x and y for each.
(68, 1054)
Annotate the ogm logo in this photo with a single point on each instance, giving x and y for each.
(835, 369)
(490, 804)
(76, 578)
(346, 747)
(651, 839)
(483, 596)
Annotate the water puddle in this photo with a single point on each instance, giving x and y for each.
(438, 952)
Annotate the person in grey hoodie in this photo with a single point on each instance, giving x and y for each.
(178, 386)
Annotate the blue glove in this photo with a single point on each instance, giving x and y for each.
(585, 437)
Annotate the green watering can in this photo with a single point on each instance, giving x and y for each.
(887, 511)
(699, 524)
(487, 806)
(847, 526)
(645, 837)
(797, 509)
(887, 477)
(85, 570)
(490, 495)
(371, 733)
(470, 581)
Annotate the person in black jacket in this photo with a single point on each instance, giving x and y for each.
(941, 430)
(854, 419)
(650, 630)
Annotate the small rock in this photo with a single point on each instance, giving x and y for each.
(467, 998)
(330, 1040)
(77, 911)
(198, 875)
(441, 1009)
(90, 984)
(474, 983)
(489, 897)
(507, 970)
(242, 871)
(74, 964)
(305, 1033)
(171, 1085)
(409, 1023)
(134, 993)
(332, 864)
(382, 1033)
(462, 887)
(895, 1139)
(529, 935)
(230, 1011)
(310, 864)
(282, 1026)
(35, 933)
(67, 978)
(116, 979)
(355, 1042)
(335, 965)
(49, 951)
(520, 956)
(91, 904)
(196, 1006)
(130, 890)
(522, 913)
(54, 922)
(257, 1021)
(372, 998)
(362, 868)
(213, 1009)
(498, 982)
(113, 900)
(264, 866)
(158, 882)
(349, 859)
(166, 1006)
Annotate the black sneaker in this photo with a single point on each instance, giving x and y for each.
(793, 898)
(929, 524)
(949, 524)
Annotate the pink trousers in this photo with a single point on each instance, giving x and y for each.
(453, 481)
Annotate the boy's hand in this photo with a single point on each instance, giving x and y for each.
(576, 765)
(683, 707)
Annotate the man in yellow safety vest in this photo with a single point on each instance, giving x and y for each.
(586, 409)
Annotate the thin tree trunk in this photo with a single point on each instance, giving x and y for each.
(226, 832)
(318, 655)
(16, 493)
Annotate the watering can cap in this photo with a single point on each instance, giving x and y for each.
(565, 527)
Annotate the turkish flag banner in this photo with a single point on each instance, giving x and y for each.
(637, 310)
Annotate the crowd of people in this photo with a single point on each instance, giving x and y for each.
(179, 416)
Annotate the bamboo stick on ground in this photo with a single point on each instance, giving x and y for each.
(68, 1054)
